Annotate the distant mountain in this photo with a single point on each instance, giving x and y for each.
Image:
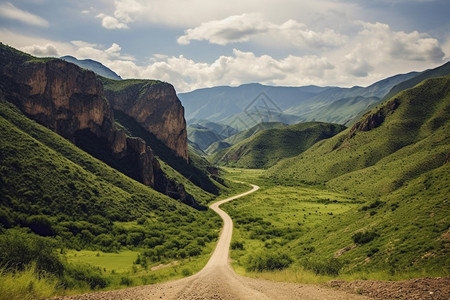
(439, 71)
(202, 136)
(94, 66)
(269, 146)
(219, 103)
(247, 105)
(341, 111)
(419, 77)
(327, 97)
(202, 133)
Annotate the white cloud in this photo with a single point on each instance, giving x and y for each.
(241, 67)
(241, 28)
(9, 11)
(377, 48)
(231, 29)
(37, 50)
(398, 44)
(109, 22)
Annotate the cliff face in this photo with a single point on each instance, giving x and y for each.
(156, 107)
(70, 101)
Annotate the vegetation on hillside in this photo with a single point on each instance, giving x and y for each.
(269, 146)
(120, 85)
(369, 203)
(53, 191)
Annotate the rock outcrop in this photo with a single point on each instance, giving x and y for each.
(155, 106)
(374, 119)
(69, 101)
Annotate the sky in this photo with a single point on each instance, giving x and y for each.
(203, 43)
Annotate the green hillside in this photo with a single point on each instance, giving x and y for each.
(270, 146)
(403, 85)
(240, 136)
(414, 117)
(217, 146)
(52, 191)
(369, 203)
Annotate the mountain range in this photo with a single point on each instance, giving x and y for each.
(247, 105)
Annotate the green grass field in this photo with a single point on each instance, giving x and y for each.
(309, 234)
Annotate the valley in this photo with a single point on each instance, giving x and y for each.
(325, 192)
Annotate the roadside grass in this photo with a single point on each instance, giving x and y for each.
(27, 284)
(122, 269)
(119, 262)
(310, 234)
(270, 220)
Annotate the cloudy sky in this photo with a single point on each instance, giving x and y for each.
(202, 43)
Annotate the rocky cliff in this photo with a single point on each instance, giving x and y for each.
(155, 106)
(71, 102)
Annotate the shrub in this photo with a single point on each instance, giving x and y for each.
(91, 276)
(268, 261)
(364, 237)
(237, 245)
(40, 225)
(372, 205)
(186, 272)
(331, 266)
(18, 249)
(193, 250)
(372, 252)
(126, 281)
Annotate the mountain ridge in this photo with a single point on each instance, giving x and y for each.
(94, 66)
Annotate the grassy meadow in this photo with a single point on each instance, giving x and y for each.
(309, 234)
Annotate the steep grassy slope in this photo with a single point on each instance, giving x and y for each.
(53, 189)
(270, 146)
(406, 84)
(394, 162)
(240, 136)
(418, 115)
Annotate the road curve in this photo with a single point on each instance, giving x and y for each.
(217, 280)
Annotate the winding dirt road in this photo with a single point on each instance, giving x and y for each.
(217, 280)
